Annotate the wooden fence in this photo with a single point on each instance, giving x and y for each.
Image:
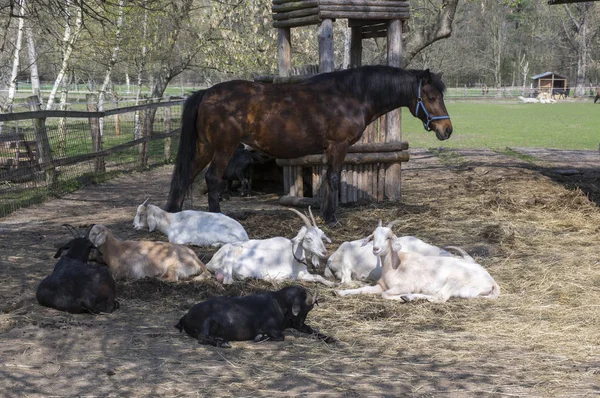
(48, 153)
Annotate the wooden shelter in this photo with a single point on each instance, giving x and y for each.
(551, 2)
(548, 81)
(372, 166)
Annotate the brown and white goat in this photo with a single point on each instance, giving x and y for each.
(138, 259)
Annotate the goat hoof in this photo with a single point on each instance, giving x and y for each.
(225, 344)
(405, 299)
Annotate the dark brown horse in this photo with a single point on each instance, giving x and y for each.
(597, 95)
(326, 113)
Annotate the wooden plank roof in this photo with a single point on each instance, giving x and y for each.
(549, 74)
(551, 2)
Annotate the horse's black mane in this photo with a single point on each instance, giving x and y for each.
(377, 83)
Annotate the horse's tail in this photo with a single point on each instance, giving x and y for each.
(188, 143)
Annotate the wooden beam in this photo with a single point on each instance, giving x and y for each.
(351, 158)
(326, 60)
(366, 3)
(282, 16)
(297, 5)
(296, 22)
(393, 118)
(356, 46)
(284, 51)
(365, 15)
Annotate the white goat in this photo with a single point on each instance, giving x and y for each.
(409, 276)
(273, 259)
(137, 259)
(198, 228)
(355, 259)
(528, 100)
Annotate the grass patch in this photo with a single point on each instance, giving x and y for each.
(563, 125)
(447, 157)
(515, 154)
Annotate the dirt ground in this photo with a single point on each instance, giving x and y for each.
(529, 216)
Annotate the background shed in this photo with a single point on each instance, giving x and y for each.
(545, 82)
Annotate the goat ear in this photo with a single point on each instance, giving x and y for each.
(396, 246)
(59, 252)
(151, 222)
(326, 238)
(296, 307)
(100, 239)
(366, 240)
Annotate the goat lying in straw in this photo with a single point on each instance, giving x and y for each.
(198, 228)
(410, 276)
(76, 286)
(273, 259)
(138, 259)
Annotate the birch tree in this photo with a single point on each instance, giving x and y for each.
(33, 66)
(111, 63)
(580, 33)
(70, 36)
(12, 87)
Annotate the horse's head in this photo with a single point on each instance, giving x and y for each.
(429, 104)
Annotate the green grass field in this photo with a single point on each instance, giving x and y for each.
(562, 125)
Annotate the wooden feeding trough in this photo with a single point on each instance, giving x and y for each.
(372, 167)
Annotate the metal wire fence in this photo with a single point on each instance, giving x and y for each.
(46, 154)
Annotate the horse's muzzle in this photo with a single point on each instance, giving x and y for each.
(443, 130)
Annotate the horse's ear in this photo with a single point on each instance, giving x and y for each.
(426, 77)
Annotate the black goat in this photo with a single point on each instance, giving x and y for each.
(240, 168)
(76, 286)
(256, 317)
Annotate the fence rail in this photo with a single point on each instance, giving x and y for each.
(48, 153)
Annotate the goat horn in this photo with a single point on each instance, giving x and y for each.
(87, 232)
(456, 249)
(145, 202)
(314, 299)
(303, 217)
(311, 216)
(392, 223)
(380, 224)
(72, 230)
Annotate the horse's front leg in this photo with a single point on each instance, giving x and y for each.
(336, 152)
(214, 177)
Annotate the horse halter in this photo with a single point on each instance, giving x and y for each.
(420, 105)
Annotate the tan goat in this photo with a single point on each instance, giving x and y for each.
(137, 259)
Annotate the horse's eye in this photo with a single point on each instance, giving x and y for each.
(431, 99)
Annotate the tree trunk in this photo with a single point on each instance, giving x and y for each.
(68, 42)
(12, 88)
(111, 64)
(137, 131)
(62, 122)
(427, 35)
(33, 69)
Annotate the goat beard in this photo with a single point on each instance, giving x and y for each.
(315, 261)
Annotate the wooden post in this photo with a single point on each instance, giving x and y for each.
(167, 123)
(286, 179)
(94, 122)
(117, 116)
(44, 153)
(343, 186)
(299, 182)
(284, 50)
(326, 61)
(355, 46)
(393, 133)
